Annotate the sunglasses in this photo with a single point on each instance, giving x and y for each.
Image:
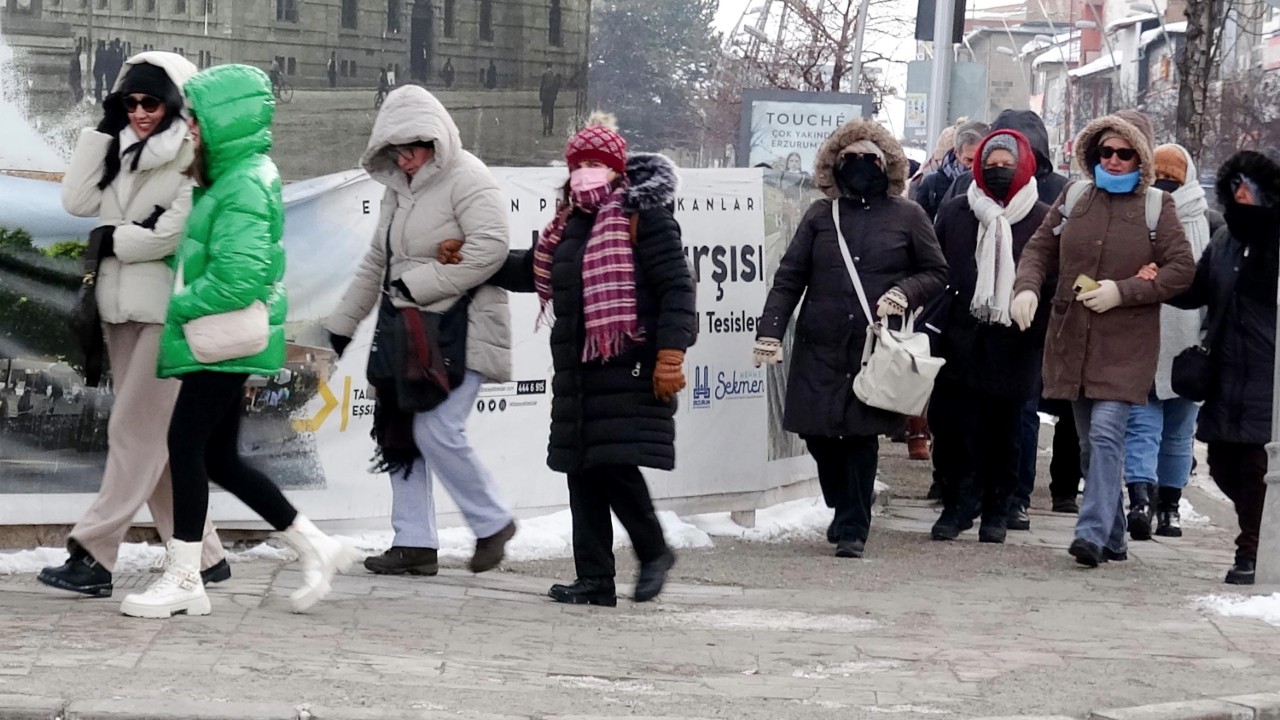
(867, 156)
(1125, 154)
(146, 102)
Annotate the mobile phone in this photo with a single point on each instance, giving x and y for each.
(1084, 284)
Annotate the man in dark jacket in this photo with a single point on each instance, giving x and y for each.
(931, 191)
(1029, 124)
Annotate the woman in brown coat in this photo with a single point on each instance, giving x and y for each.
(1104, 324)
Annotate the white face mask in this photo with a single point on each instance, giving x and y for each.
(588, 178)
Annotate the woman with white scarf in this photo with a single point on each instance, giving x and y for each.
(991, 367)
(1159, 439)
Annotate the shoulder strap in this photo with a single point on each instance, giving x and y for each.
(848, 264)
(1155, 203)
(1075, 191)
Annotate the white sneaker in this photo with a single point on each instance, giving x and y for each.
(322, 558)
(178, 590)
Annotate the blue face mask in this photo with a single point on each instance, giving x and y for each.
(1115, 184)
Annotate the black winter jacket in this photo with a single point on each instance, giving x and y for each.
(892, 243)
(931, 191)
(605, 413)
(1050, 183)
(991, 359)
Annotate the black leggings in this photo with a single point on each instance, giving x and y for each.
(203, 438)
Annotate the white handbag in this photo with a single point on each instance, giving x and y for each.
(226, 336)
(897, 371)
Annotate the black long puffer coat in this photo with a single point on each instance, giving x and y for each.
(605, 413)
(1238, 409)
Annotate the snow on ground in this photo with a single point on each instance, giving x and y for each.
(538, 538)
(1187, 512)
(1259, 607)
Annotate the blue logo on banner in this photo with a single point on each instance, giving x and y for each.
(701, 386)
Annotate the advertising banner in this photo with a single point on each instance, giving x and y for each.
(783, 129)
(309, 427)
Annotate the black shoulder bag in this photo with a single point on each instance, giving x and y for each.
(86, 320)
(1194, 369)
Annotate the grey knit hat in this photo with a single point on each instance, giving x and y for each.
(1000, 141)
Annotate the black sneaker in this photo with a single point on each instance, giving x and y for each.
(220, 572)
(1086, 553)
(1066, 506)
(1169, 524)
(586, 591)
(994, 529)
(653, 576)
(79, 574)
(851, 549)
(1242, 573)
(950, 524)
(1108, 555)
(404, 561)
(1018, 519)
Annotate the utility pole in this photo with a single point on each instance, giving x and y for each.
(859, 36)
(940, 88)
(1268, 560)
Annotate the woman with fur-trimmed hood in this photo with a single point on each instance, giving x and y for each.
(892, 243)
(1104, 323)
(613, 281)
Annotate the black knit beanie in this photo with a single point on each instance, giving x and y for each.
(144, 79)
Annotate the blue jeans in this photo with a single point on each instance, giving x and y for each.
(441, 437)
(1101, 424)
(1159, 443)
(1028, 449)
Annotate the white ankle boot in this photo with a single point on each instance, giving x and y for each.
(322, 558)
(178, 590)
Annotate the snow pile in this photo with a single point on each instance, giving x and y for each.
(1188, 514)
(799, 519)
(1259, 607)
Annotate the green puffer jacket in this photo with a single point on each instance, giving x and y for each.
(231, 253)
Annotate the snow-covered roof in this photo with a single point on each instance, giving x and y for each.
(1104, 63)
(1150, 36)
(1059, 55)
(1130, 20)
(1033, 45)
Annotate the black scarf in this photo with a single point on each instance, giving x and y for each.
(1258, 228)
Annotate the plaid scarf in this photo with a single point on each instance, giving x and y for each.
(608, 273)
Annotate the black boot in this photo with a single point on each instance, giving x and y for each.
(1168, 519)
(1242, 572)
(653, 576)
(1066, 506)
(951, 523)
(1140, 511)
(220, 572)
(1018, 517)
(1086, 553)
(994, 528)
(851, 549)
(586, 591)
(831, 533)
(79, 574)
(404, 561)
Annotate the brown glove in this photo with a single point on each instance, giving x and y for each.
(668, 376)
(450, 252)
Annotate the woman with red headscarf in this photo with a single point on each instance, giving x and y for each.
(991, 366)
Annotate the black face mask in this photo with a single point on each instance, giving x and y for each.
(861, 178)
(1253, 224)
(1166, 185)
(999, 180)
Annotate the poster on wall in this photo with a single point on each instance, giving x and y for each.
(783, 129)
(309, 426)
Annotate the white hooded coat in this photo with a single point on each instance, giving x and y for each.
(453, 197)
(1180, 329)
(134, 286)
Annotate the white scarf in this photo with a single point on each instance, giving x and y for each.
(1191, 211)
(161, 148)
(994, 254)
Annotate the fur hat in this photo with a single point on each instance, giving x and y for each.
(1171, 162)
(598, 141)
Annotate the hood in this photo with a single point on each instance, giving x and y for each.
(1025, 171)
(178, 68)
(411, 114)
(653, 182)
(1086, 153)
(1030, 126)
(1193, 173)
(895, 160)
(1263, 169)
(235, 107)
(1141, 121)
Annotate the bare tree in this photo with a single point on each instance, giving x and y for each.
(1195, 70)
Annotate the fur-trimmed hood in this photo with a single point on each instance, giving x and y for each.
(1087, 142)
(895, 161)
(653, 181)
(1263, 169)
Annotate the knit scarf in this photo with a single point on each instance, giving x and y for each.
(608, 272)
(994, 253)
(1191, 204)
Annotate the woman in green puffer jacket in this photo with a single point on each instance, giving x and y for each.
(230, 260)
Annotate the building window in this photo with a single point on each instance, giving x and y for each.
(180, 7)
(344, 68)
(287, 11)
(486, 20)
(555, 28)
(208, 7)
(151, 6)
(450, 18)
(84, 4)
(128, 5)
(393, 16)
(353, 68)
(350, 14)
(104, 5)
(292, 66)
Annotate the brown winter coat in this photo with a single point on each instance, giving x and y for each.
(1112, 355)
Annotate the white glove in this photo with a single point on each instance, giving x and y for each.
(1106, 297)
(768, 351)
(893, 302)
(1023, 309)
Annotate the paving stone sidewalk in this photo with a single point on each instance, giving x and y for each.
(919, 629)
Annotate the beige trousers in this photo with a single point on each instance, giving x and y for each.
(137, 449)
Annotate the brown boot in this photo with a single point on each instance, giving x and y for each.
(491, 550)
(918, 438)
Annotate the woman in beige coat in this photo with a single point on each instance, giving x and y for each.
(436, 192)
(129, 172)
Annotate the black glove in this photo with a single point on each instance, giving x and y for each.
(114, 118)
(404, 290)
(339, 343)
(150, 222)
(102, 241)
